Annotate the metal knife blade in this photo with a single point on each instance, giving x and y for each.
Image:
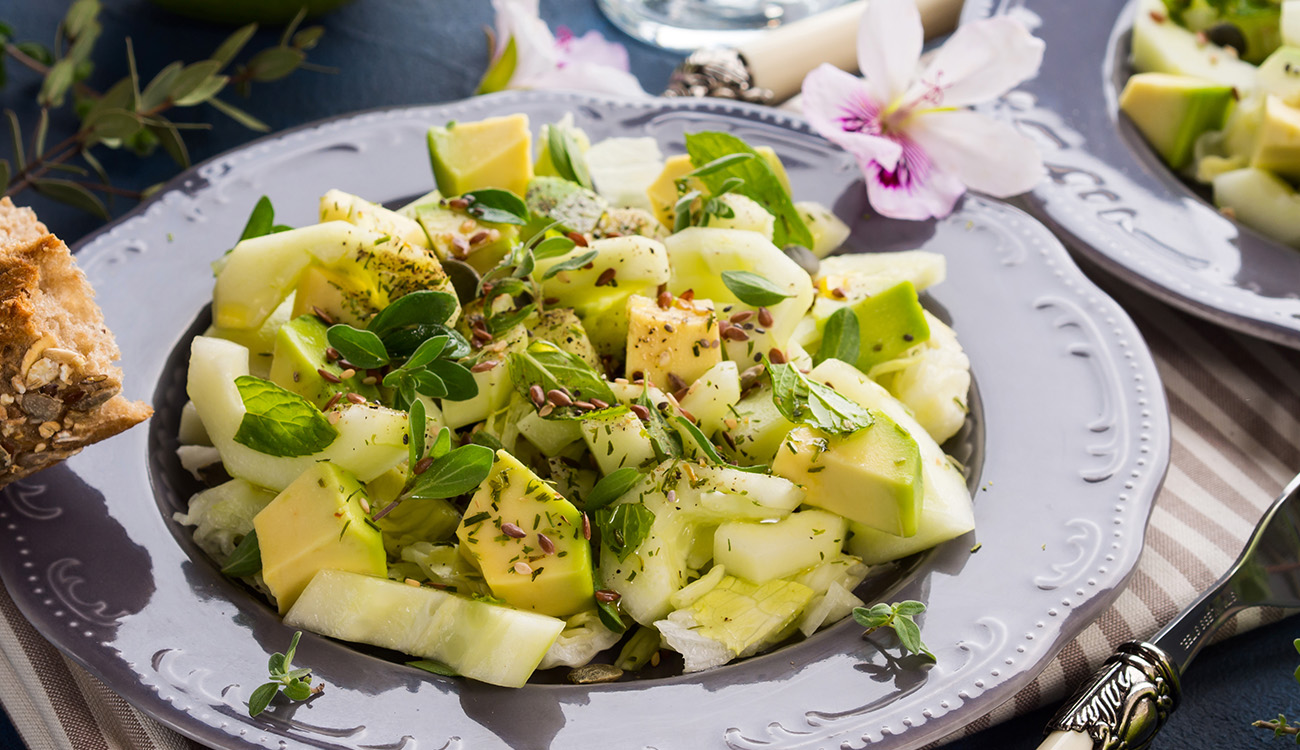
(1131, 696)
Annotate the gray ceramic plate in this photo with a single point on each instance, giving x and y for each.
(1067, 445)
(1111, 197)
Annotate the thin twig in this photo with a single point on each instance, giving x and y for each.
(42, 69)
(1277, 727)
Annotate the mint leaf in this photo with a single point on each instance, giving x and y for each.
(760, 182)
(362, 348)
(279, 422)
(246, 560)
(456, 473)
(803, 401)
(721, 163)
(841, 338)
(611, 487)
(566, 155)
(624, 527)
(555, 369)
(753, 289)
(497, 206)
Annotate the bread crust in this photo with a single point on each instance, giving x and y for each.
(59, 388)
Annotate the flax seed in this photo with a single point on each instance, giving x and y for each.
(607, 596)
(577, 238)
(322, 315)
(513, 531)
(484, 366)
(356, 398)
(586, 527)
(546, 544)
(765, 317)
(559, 398)
(777, 356)
(741, 316)
(606, 277)
(328, 376)
(333, 400)
(422, 465)
(332, 354)
(537, 395)
(640, 411)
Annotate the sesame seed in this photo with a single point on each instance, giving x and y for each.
(669, 328)
(672, 496)
(365, 505)
(523, 568)
(348, 373)
(370, 380)
(334, 417)
(412, 582)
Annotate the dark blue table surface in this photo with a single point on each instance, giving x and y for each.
(400, 52)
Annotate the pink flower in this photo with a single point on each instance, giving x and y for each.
(529, 56)
(919, 148)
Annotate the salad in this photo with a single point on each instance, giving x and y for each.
(1217, 95)
(571, 409)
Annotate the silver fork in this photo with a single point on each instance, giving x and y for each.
(1132, 695)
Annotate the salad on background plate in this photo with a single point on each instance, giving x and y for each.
(572, 408)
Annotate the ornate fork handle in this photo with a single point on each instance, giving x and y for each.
(1125, 703)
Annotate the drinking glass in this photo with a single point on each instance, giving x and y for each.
(692, 24)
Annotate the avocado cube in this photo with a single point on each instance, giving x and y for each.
(491, 153)
(889, 323)
(1277, 148)
(455, 234)
(299, 357)
(316, 523)
(1172, 111)
(872, 476)
(671, 346)
(527, 540)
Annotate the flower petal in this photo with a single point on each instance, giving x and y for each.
(581, 77)
(916, 189)
(889, 47)
(839, 107)
(987, 155)
(592, 48)
(979, 62)
(534, 44)
(586, 63)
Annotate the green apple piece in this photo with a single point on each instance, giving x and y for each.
(318, 522)
(1260, 200)
(827, 230)
(550, 436)
(1277, 147)
(712, 396)
(640, 265)
(562, 326)
(544, 565)
(299, 357)
(371, 439)
(483, 641)
(1162, 46)
(946, 512)
(617, 438)
(699, 255)
(494, 383)
(703, 497)
(872, 476)
(337, 205)
(491, 153)
(1172, 111)
(761, 552)
(1279, 75)
(754, 432)
(261, 340)
(747, 214)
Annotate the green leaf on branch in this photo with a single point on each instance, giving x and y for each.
(70, 193)
(239, 115)
(454, 474)
(753, 289)
(274, 63)
(227, 50)
(901, 618)
(760, 182)
(294, 683)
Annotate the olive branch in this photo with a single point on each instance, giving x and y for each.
(127, 115)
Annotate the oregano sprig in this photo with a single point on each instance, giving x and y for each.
(294, 683)
(900, 617)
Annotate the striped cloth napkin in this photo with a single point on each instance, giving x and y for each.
(1234, 403)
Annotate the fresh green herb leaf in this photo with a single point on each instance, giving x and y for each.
(552, 368)
(487, 440)
(760, 182)
(803, 401)
(553, 247)
(362, 348)
(497, 206)
(456, 473)
(899, 617)
(611, 487)
(422, 307)
(246, 560)
(610, 617)
(500, 322)
(442, 444)
(841, 339)
(721, 163)
(666, 441)
(566, 155)
(498, 76)
(295, 683)
(709, 450)
(624, 527)
(416, 424)
(429, 665)
(459, 381)
(426, 352)
(753, 289)
(279, 422)
(572, 264)
(428, 383)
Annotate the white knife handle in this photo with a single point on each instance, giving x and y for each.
(1122, 706)
(779, 59)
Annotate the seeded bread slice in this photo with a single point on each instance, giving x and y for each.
(59, 389)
